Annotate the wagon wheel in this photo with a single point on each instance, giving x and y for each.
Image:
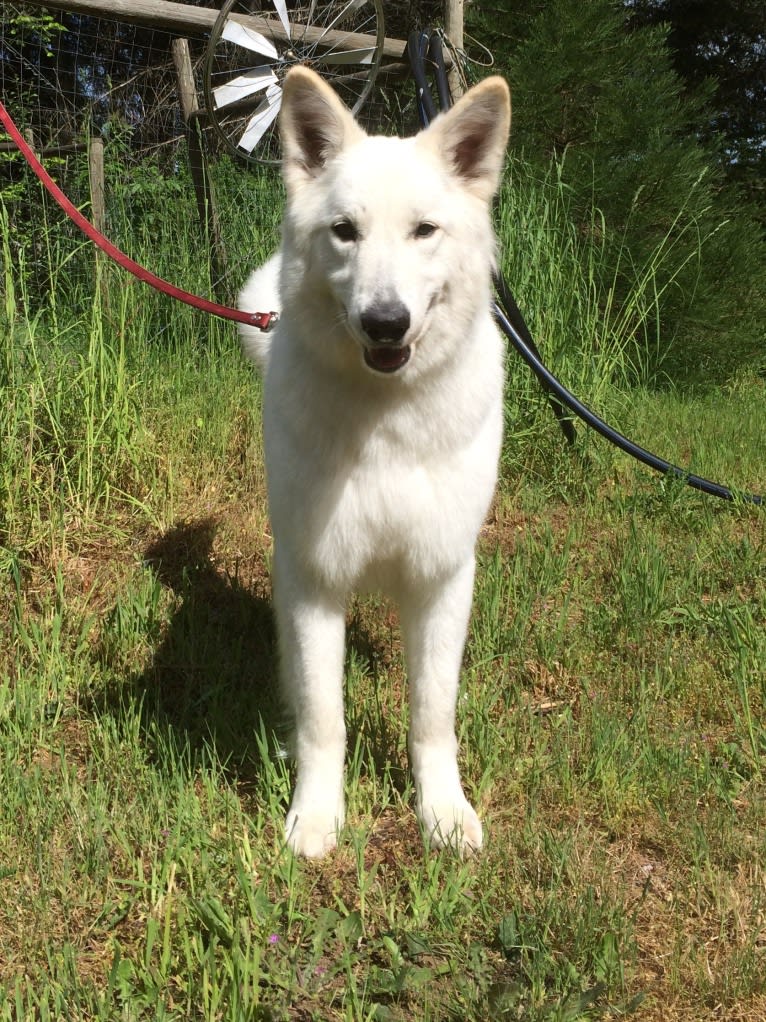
(253, 45)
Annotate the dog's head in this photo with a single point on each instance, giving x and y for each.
(395, 234)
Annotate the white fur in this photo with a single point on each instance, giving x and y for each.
(379, 480)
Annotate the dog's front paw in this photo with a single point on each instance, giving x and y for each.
(312, 832)
(452, 825)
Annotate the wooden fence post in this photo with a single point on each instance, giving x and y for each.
(203, 187)
(98, 207)
(29, 138)
(453, 27)
(96, 177)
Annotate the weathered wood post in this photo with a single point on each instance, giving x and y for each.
(203, 187)
(96, 178)
(98, 208)
(453, 27)
(29, 138)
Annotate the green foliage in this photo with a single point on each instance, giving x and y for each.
(721, 43)
(20, 20)
(607, 105)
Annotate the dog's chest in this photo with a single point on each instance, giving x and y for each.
(363, 490)
(380, 518)
(363, 508)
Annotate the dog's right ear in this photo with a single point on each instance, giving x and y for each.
(314, 126)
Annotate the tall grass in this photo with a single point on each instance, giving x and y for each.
(596, 312)
(611, 717)
(69, 417)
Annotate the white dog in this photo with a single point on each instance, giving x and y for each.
(382, 422)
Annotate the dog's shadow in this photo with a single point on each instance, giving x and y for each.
(211, 682)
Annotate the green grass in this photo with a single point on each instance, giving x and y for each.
(611, 717)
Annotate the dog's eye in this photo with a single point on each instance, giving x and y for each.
(425, 230)
(344, 230)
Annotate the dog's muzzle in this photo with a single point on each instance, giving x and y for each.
(385, 324)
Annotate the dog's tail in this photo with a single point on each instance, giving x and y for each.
(260, 294)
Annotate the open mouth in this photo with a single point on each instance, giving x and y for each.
(385, 359)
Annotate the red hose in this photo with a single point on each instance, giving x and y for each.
(262, 320)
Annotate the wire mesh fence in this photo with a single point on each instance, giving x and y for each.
(67, 78)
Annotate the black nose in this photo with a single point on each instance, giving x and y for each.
(386, 322)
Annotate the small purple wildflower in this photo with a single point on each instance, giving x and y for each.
(273, 938)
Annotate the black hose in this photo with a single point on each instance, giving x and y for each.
(417, 46)
(436, 57)
(514, 315)
(628, 446)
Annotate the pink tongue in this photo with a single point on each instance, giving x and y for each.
(386, 360)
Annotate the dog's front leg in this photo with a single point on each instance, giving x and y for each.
(311, 627)
(434, 626)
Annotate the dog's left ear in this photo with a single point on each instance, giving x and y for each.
(472, 136)
(314, 126)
